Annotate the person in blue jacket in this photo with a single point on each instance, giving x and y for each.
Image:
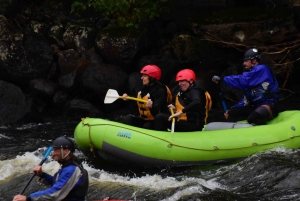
(70, 183)
(260, 102)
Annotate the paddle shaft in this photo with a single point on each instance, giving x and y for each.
(173, 121)
(33, 175)
(223, 103)
(224, 106)
(47, 153)
(112, 95)
(132, 98)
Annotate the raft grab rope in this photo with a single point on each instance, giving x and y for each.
(171, 144)
(90, 141)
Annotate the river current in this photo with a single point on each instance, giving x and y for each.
(271, 175)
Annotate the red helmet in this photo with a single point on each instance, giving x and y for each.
(151, 71)
(186, 74)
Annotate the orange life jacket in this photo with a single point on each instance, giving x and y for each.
(207, 107)
(144, 110)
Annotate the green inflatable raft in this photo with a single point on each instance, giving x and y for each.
(218, 142)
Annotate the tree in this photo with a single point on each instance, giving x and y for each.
(125, 13)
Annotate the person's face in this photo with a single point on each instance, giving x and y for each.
(145, 79)
(247, 64)
(57, 155)
(184, 85)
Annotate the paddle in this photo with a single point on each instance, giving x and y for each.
(46, 154)
(112, 95)
(173, 121)
(223, 103)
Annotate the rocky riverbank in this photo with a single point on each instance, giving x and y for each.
(53, 62)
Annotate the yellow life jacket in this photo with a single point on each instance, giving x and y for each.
(169, 94)
(207, 107)
(179, 107)
(144, 110)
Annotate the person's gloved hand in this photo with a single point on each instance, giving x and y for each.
(149, 103)
(216, 79)
(226, 114)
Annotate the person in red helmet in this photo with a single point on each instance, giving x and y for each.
(156, 94)
(190, 105)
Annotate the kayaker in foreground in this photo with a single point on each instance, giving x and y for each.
(260, 102)
(69, 183)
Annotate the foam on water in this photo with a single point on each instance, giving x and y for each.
(32, 125)
(2, 136)
(183, 185)
(157, 182)
(23, 164)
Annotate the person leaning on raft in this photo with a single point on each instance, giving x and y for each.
(190, 106)
(260, 102)
(156, 94)
(71, 182)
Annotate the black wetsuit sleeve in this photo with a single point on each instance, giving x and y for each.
(159, 101)
(195, 101)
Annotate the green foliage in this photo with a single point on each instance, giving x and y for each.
(126, 13)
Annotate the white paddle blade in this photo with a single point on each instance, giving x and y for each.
(111, 96)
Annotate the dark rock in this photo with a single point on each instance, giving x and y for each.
(39, 55)
(68, 60)
(80, 38)
(67, 80)
(120, 49)
(4, 6)
(71, 63)
(77, 108)
(46, 42)
(60, 98)
(97, 79)
(13, 105)
(39, 28)
(92, 56)
(45, 87)
(3, 25)
(56, 35)
(24, 58)
(21, 19)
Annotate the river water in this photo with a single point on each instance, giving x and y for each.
(272, 175)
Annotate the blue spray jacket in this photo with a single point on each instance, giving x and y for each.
(69, 183)
(259, 86)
